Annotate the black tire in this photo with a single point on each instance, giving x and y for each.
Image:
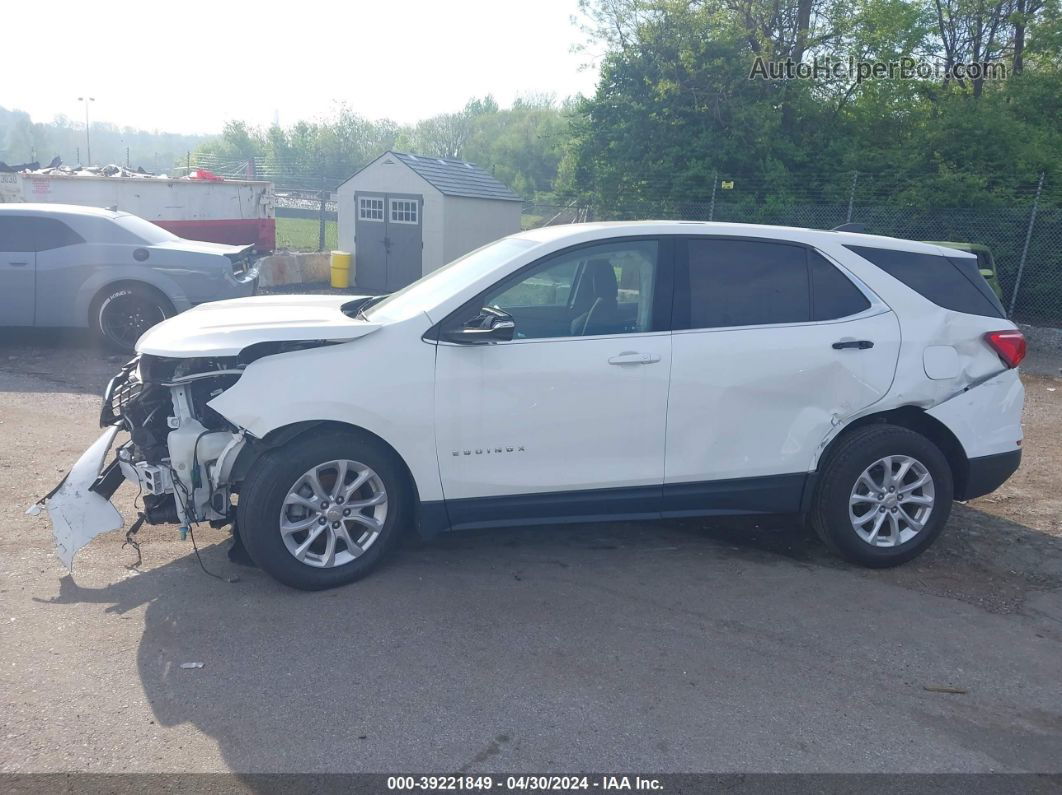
(122, 312)
(846, 462)
(264, 490)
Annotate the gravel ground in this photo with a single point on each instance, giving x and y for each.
(675, 646)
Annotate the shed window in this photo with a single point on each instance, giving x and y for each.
(404, 211)
(370, 209)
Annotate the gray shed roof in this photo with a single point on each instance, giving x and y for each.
(456, 177)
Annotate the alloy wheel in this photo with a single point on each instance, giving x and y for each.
(891, 501)
(333, 513)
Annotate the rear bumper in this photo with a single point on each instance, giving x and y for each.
(987, 473)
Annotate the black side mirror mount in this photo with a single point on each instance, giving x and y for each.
(491, 325)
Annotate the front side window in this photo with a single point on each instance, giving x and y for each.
(588, 291)
(746, 283)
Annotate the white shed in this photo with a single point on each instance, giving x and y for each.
(405, 215)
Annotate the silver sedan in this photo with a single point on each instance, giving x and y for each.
(115, 273)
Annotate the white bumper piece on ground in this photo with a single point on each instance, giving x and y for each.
(78, 515)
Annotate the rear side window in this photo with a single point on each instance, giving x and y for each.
(953, 283)
(52, 233)
(833, 294)
(746, 283)
(16, 233)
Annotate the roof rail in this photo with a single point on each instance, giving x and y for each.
(850, 228)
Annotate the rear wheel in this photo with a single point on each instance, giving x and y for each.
(883, 496)
(122, 313)
(323, 511)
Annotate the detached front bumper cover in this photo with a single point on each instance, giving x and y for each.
(77, 512)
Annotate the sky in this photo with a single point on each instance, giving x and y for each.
(189, 67)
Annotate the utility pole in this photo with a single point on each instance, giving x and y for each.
(88, 144)
(1025, 248)
(323, 195)
(851, 196)
(715, 184)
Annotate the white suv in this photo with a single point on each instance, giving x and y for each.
(574, 374)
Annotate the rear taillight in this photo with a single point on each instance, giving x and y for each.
(1010, 345)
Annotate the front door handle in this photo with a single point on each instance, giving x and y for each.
(18, 264)
(861, 345)
(630, 357)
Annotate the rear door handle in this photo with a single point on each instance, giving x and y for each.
(861, 345)
(630, 357)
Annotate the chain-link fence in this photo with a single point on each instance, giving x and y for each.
(1025, 242)
(306, 220)
(1024, 235)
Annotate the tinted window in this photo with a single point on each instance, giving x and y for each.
(53, 233)
(949, 282)
(16, 233)
(144, 231)
(832, 293)
(746, 283)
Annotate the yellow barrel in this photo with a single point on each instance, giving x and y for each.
(341, 269)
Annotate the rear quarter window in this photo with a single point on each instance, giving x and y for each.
(833, 295)
(52, 233)
(953, 283)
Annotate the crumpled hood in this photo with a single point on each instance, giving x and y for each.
(224, 328)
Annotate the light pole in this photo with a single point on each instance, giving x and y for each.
(88, 145)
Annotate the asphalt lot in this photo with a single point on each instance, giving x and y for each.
(680, 646)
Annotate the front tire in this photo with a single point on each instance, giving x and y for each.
(883, 496)
(323, 510)
(120, 314)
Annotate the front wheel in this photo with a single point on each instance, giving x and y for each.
(883, 496)
(323, 510)
(122, 313)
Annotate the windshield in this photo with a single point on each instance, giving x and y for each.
(145, 231)
(442, 283)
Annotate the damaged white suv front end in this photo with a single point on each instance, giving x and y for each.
(175, 449)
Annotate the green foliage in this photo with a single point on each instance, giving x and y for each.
(675, 106)
(23, 140)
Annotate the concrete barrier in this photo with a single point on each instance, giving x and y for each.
(295, 267)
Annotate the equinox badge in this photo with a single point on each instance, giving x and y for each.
(489, 451)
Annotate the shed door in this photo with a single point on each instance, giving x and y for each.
(370, 232)
(388, 240)
(404, 245)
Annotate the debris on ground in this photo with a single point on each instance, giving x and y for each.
(944, 689)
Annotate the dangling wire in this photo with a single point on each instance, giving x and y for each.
(134, 528)
(177, 484)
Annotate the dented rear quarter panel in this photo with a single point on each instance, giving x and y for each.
(990, 395)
